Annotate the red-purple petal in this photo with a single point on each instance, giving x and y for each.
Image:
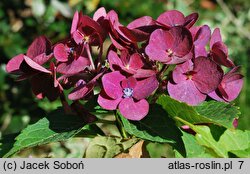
(74, 22)
(219, 53)
(61, 52)
(160, 41)
(111, 84)
(78, 37)
(134, 35)
(135, 61)
(141, 22)
(114, 60)
(183, 41)
(216, 37)
(13, 66)
(216, 96)
(133, 110)
(233, 88)
(171, 18)
(144, 73)
(35, 66)
(202, 36)
(81, 91)
(186, 91)
(73, 66)
(145, 87)
(179, 73)
(100, 13)
(39, 46)
(129, 83)
(208, 74)
(106, 102)
(190, 20)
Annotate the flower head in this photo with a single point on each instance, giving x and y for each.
(127, 94)
(230, 86)
(192, 81)
(130, 64)
(71, 57)
(219, 51)
(170, 47)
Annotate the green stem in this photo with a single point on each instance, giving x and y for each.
(105, 121)
(120, 126)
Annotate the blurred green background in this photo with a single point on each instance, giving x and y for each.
(22, 21)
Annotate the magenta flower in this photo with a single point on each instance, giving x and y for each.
(174, 18)
(39, 51)
(127, 37)
(83, 88)
(71, 57)
(219, 51)
(230, 86)
(192, 81)
(127, 94)
(43, 81)
(85, 30)
(170, 47)
(144, 26)
(131, 64)
(201, 36)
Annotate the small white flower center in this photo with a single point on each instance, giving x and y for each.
(127, 92)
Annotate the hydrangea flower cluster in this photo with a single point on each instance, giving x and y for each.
(136, 65)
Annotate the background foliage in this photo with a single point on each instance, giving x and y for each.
(22, 21)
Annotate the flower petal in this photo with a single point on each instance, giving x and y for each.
(220, 54)
(183, 41)
(39, 46)
(179, 73)
(216, 95)
(208, 74)
(100, 13)
(202, 36)
(135, 61)
(75, 22)
(106, 102)
(61, 53)
(145, 87)
(160, 41)
(134, 110)
(190, 20)
(111, 84)
(129, 83)
(35, 66)
(186, 91)
(144, 73)
(114, 60)
(73, 66)
(13, 66)
(81, 91)
(171, 18)
(233, 86)
(216, 37)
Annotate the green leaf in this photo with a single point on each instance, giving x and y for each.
(108, 147)
(195, 150)
(218, 113)
(57, 126)
(160, 150)
(156, 127)
(234, 141)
